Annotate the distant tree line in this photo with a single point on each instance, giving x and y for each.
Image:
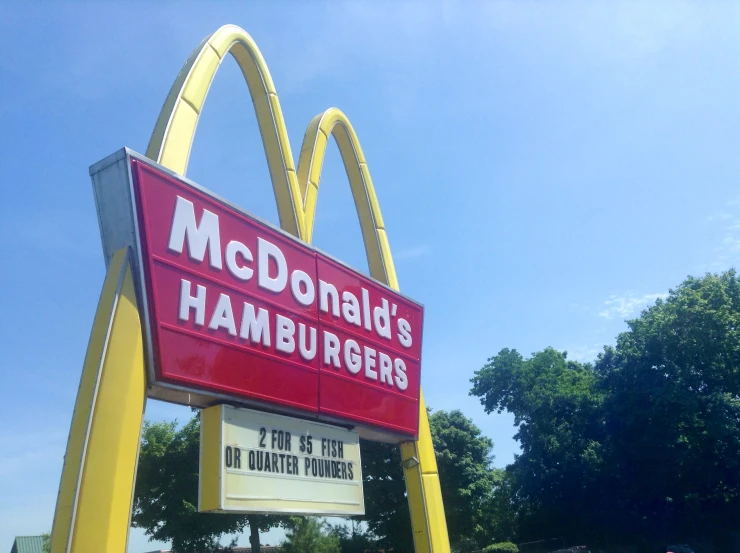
(638, 449)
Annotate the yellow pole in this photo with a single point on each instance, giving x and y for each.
(93, 509)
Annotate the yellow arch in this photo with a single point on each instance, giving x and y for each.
(296, 195)
(175, 128)
(334, 122)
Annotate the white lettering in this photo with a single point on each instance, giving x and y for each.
(351, 308)
(199, 237)
(352, 356)
(399, 368)
(284, 339)
(304, 298)
(366, 309)
(386, 366)
(370, 363)
(266, 251)
(255, 327)
(331, 349)
(308, 353)
(241, 272)
(404, 333)
(187, 301)
(223, 315)
(382, 319)
(326, 291)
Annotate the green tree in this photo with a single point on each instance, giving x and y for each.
(464, 462)
(557, 407)
(354, 539)
(672, 413)
(467, 480)
(166, 497)
(500, 509)
(503, 547)
(641, 446)
(46, 542)
(309, 535)
(386, 506)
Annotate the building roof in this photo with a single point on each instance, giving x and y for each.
(28, 544)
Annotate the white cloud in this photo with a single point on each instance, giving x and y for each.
(584, 354)
(627, 305)
(728, 247)
(721, 216)
(602, 34)
(731, 242)
(413, 252)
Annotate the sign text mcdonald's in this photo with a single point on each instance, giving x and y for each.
(237, 309)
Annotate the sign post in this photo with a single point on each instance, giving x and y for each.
(232, 309)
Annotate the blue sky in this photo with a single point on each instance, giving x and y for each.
(545, 170)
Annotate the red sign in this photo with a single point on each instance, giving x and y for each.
(238, 308)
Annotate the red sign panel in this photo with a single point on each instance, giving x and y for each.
(240, 309)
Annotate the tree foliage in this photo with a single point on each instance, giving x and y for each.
(640, 446)
(309, 535)
(464, 463)
(557, 408)
(502, 547)
(355, 539)
(166, 496)
(672, 412)
(475, 495)
(386, 507)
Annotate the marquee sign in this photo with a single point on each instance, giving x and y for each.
(236, 308)
(252, 461)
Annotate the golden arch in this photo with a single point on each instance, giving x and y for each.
(296, 195)
(97, 482)
(295, 191)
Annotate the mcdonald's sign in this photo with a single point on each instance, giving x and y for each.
(199, 295)
(235, 309)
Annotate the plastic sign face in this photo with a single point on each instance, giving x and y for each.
(258, 462)
(236, 308)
